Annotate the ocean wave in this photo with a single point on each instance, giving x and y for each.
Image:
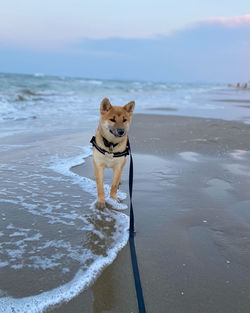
(93, 82)
(39, 75)
(31, 92)
(30, 96)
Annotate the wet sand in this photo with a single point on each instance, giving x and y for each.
(233, 100)
(244, 106)
(242, 101)
(191, 202)
(163, 109)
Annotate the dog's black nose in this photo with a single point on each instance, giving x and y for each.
(120, 131)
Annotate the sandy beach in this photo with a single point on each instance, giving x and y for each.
(191, 151)
(74, 72)
(191, 200)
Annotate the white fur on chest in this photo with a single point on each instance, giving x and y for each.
(106, 160)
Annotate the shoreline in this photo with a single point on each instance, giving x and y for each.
(187, 245)
(191, 200)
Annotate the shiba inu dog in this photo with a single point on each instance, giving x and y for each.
(110, 145)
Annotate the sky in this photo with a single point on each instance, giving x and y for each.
(156, 40)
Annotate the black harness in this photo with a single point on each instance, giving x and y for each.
(109, 145)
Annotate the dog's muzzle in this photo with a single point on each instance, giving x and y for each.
(117, 132)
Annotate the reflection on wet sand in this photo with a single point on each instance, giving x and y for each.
(194, 226)
(191, 201)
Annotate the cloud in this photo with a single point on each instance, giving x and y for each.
(212, 50)
(230, 21)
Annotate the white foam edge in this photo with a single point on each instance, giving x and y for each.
(189, 156)
(81, 280)
(63, 166)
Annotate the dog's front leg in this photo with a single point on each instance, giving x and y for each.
(117, 173)
(99, 171)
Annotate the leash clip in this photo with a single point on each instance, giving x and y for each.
(111, 147)
(109, 155)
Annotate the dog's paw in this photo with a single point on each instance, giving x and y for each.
(115, 204)
(100, 205)
(115, 198)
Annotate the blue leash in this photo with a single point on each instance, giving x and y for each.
(138, 286)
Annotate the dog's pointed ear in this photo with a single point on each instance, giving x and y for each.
(129, 107)
(105, 106)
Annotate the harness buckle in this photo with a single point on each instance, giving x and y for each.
(109, 155)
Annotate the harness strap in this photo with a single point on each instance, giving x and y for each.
(109, 144)
(115, 154)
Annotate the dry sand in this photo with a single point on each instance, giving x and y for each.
(191, 202)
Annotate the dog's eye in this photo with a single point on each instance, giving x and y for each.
(124, 120)
(112, 119)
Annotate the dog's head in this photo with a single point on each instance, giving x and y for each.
(115, 120)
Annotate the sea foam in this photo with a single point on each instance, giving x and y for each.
(85, 275)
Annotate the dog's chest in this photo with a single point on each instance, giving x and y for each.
(106, 160)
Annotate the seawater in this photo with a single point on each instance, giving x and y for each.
(34, 102)
(53, 241)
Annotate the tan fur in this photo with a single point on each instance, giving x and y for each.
(122, 117)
